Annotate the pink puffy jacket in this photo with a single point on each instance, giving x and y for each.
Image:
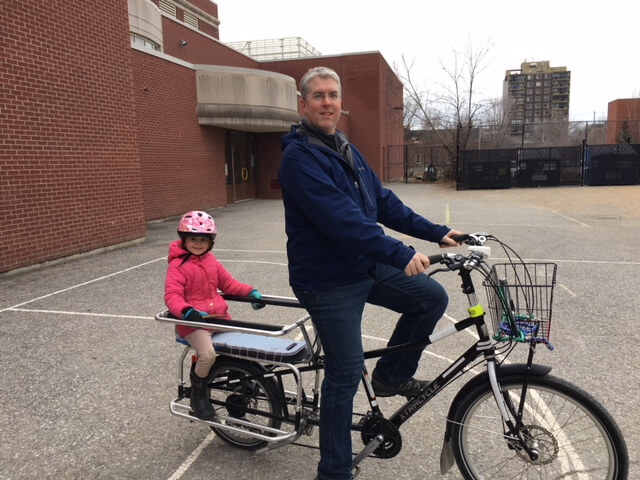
(195, 283)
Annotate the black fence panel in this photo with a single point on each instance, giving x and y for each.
(611, 165)
(546, 167)
(486, 168)
(538, 167)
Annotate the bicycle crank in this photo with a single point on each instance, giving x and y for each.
(373, 426)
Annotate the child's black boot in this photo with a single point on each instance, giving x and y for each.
(200, 397)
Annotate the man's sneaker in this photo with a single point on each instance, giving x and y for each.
(409, 388)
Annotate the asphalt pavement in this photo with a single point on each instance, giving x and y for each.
(87, 373)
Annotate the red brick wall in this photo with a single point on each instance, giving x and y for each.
(268, 153)
(206, 6)
(183, 162)
(69, 164)
(200, 50)
(623, 119)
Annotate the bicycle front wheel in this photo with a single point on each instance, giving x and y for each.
(574, 436)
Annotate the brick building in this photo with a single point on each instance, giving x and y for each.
(623, 121)
(117, 113)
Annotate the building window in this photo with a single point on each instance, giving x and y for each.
(418, 159)
(139, 41)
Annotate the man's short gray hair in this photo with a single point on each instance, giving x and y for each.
(322, 72)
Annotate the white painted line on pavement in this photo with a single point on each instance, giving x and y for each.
(566, 289)
(83, 284)
(90, 314)
(192, 458)
(582, 224)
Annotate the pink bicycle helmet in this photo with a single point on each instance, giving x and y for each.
(199, 223)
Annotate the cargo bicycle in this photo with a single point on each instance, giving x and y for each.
(513, 420)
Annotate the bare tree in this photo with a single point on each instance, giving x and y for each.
(451, 109)
(494, 128)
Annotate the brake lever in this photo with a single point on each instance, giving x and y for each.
(438, 270)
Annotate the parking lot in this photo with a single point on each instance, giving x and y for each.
(87, 373)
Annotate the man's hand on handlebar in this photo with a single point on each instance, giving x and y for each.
(418, 264)
(452, 239)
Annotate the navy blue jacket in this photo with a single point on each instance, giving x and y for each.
(333, 211)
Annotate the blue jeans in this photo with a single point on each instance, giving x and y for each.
(337, 316)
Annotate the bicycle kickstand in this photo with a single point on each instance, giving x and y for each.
(364, 453)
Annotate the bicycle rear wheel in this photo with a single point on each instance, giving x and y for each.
(254, 401)
(575, 436)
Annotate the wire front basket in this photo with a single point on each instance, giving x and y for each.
(520, 296)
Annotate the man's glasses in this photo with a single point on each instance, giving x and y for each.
(320, 96)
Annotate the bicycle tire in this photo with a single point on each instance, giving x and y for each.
(577, 437)
(256, 401)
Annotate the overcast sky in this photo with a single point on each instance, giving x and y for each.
(599, 42)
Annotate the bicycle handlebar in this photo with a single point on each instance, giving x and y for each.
(266, 300)
(450, 259)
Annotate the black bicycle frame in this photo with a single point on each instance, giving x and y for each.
(483, 347)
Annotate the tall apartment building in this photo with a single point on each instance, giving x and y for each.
(536, 93)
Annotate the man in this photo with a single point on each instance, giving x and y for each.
(340, 258)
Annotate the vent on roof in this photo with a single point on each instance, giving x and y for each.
(191, 19)
(167, 7)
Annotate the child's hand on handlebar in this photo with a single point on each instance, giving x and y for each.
(193, 315)
(258, 296)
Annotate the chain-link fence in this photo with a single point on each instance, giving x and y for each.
(527, 155)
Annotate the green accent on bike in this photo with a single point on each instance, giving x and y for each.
(475, 312)
(502, 336)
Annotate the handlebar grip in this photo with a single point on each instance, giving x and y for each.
(433, 259)
(457, 238)
(460, 238)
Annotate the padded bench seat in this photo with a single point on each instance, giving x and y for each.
(259, 347)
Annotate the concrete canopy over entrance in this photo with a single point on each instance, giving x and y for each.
(245, 99)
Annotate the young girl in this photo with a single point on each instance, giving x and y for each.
(191, 292)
